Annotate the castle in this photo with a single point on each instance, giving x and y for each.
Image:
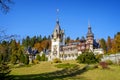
(70, 51)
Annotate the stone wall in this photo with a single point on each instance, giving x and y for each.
(113, 57)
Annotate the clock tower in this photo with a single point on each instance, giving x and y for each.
(57, 41)
(90, 39)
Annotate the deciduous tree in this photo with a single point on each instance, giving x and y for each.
(117, 41)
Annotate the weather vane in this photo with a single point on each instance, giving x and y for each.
(57, 12)
(88, 23)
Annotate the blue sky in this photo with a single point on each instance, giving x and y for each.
(35, 17)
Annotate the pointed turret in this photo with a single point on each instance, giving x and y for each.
(90, 38)
(57, 27)
(89, 33)
(57, 30)
(57, 41)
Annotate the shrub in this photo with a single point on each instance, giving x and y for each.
(104, 65)
(35, 61)
(38, 57)
(87, 57)
(99, 56)
(43, 58)
(56, 60)
(95, 66)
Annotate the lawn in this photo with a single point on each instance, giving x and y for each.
(49, 71)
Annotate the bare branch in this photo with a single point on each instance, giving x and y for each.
(4, 36)
(4, 4)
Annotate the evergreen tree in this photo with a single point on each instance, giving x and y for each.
(49, 37)
(1, 58)
(13, 59)
(22, 58)
(23, 42)
(103, 45)
(26, 59)
(77, 38)
(26, 42)
(39, 38)
(43, 58)
(67, 40)
(19, 52)
(4, 72)
(4, 51)
(109, 44)
(16, 50)
(33, 41)
(44, 38)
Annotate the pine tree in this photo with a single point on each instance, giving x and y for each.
(39, 38)
(4, 72)
(109, 44)
(13, 59)
(103, 45)
(1, 58)
(44, 38)
(22, 58)
(26, 59)
(77, 38)
(67, 40)
(49, 37)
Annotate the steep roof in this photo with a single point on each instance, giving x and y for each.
(89, 33)
(57, 27)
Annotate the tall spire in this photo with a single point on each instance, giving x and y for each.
(57, 27)
(89, 33)
(89, 23)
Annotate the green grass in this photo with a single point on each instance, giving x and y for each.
(103, 74)
(65, 65)
(74, 71)
(42, 67)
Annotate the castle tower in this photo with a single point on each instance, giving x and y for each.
(56, 42)
(90, 39)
